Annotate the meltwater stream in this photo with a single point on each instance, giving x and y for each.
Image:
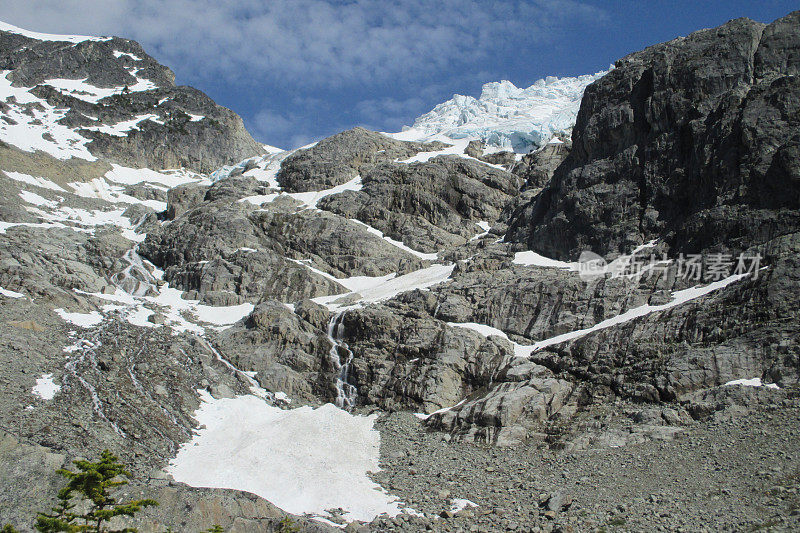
(134, 279)
(345, 392)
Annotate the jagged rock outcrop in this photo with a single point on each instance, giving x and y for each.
(536, 168)
(428, 205)
(126, 104)
(288, 352)
(227, 250)
(690, 141)
(503, 158)
(340, 158)
(406, 358)
(750, 328)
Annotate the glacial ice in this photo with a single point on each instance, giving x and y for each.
(508, 117)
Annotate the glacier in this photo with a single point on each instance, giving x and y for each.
(506, 117)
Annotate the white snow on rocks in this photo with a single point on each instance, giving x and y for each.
(36, 127)
(308, 199)
(45, 387)
(506, 116)
(119, 54)
(459, 504)
(398, 244)
(121, 129)
(531, 258)
(33, 180)
(168, 178)
(678, 298)
(303, 460)
(10, 294)
(49, 37)
(82, 90)
(387, 288)
(35, 199)
(753, 382)
(179, 314)
(84, 320)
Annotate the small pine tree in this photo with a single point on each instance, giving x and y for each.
(92, 482)
(287, 525)
(8, 528)
(216, 529)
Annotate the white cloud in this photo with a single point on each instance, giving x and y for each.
(308, 43)
(300, 69)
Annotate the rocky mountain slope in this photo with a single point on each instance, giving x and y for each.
(260, 333)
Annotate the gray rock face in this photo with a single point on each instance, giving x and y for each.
(338, 159)
(289, 352)
(691, 141)
(183, 198)
(230, 251)
(428, 205)
(504, 158)
(537, 168)
(507, 414)
(216, 251)
(404, 358)
(534, 304)
(175, 138)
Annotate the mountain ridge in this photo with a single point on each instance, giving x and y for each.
(384, 332)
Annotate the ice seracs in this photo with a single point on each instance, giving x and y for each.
(508, 117)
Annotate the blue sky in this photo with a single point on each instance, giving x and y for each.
(299, 70)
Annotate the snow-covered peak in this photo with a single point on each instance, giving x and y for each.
(506, 116)
(4, 26)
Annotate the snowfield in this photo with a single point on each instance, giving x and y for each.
(303, 460)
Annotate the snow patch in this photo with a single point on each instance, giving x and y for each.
(32, 180)
(83, 90)
(531, 258)
(752, 382)
(387, 288)
(308, 199)
(119, 54)
(459, 504)
(48, 36)
(11, 294)
(303, 460)
(121, 129)
(84, 320)
(45, 387)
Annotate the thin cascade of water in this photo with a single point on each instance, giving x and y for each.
(134, 279)
(346, 392)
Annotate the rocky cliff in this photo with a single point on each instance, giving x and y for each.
(262, 339)
(693, 141)
(117, 102)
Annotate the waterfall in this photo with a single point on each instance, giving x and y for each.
(345, 392)
(134, 279)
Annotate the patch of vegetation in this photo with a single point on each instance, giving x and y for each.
(90, 485)
(287, 525)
